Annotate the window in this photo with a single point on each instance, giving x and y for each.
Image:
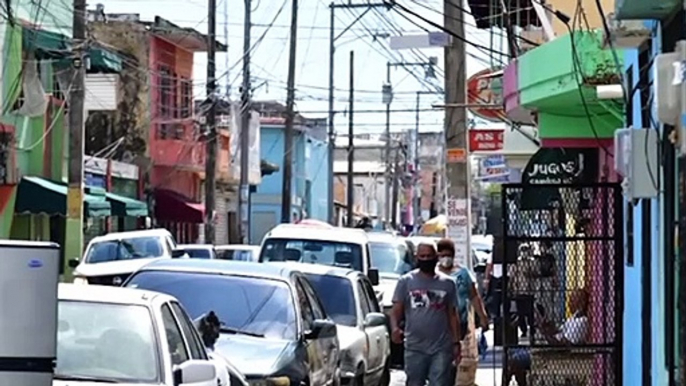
(114, 342)
(317, 308)
(390, 258)
(197, 348)
(186, 98)
(305, 307)
(165, 105)
(125, 249)
(364, 302)
(249, 305)
(337, 296)
(324, 252)
(177, 348)
(371, 296)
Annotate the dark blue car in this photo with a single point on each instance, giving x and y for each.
(273, 326)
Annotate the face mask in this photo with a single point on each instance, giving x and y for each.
(427, 266)
(446, 262)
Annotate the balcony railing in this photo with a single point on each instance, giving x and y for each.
(175, 144)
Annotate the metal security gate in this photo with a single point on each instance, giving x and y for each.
(562, 284)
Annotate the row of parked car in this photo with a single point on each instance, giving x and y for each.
(307, 307)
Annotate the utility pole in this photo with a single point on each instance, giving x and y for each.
(351, 144)
(244, 196)
(332, 50)
(416, 197)
(396, 188)
(74, 224)
(290, 117)
(457, 164)
(387, 151)
(210, 120)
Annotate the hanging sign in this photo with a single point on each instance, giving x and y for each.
(459, 229)
(486, 139)
(486, 88)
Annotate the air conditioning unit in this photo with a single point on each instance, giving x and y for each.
(637, 161)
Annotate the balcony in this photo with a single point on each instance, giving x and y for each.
(175, 144)
(641, 9)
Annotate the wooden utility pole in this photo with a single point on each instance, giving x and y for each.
(244, 194)
(397, 174)
(286, 195)
(457, 163)
(210, 121)
(351, 144)
(73, 246)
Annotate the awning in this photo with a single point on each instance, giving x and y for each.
(51, 45)
(40, 196)
(175, 207)
(122, 206)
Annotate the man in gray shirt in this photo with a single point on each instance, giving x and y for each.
(425, 301)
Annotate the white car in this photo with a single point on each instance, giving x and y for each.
(129, 337)
(320, 244)
(199, 251)
(238, 252)
(348, 298)
(110, 259)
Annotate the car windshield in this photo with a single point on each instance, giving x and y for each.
(108, 342)
(247, 305)
(390, 258)
(198, 253)
(326, 252)
(125, 249)
(336, 293)
(235, 254)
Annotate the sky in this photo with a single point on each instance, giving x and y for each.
(270, 56)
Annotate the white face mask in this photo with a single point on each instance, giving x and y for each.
(446, 261)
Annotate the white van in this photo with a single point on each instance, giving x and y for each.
(326, 245)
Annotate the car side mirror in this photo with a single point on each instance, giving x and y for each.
(178, 253)
(375, 319)
(194, 371)
(321, 329)
(373, 275)
(73, 263)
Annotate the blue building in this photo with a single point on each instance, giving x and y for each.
(310, 189)
(650, 337)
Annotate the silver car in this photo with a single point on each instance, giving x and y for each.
(348, 298)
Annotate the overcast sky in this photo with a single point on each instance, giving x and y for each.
(270, 58)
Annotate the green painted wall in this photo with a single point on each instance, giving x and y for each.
(553, 126)
(549, 83)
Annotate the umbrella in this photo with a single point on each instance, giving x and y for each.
(434, 226)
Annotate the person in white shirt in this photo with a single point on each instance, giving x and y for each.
(572, 332)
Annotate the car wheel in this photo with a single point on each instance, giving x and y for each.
(386, 375)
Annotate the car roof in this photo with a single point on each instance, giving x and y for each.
(383, 237)
(128, 235)
(308, 232)
(221, 267)
(108, 294)
(236, 247)
(197, 246)
(317, 269)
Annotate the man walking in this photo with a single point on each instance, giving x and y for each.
(424, 300)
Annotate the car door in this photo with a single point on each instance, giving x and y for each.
(328, 347)
(377, 336)
(175, 345)
(315, 356)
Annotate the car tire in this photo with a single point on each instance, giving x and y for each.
(386, 375)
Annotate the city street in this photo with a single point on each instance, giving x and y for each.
(489, 367)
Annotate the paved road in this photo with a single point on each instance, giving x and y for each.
(488, 374)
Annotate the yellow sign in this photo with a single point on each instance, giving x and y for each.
(456, 155)
(74, 202)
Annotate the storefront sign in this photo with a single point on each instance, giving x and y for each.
(486, 88)
(493, 161)
(459, 229)
(556, 166)
(486, 139)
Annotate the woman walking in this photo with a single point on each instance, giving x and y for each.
(468, 300)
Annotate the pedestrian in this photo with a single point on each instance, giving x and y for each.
(468, 301)
(425, 318)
